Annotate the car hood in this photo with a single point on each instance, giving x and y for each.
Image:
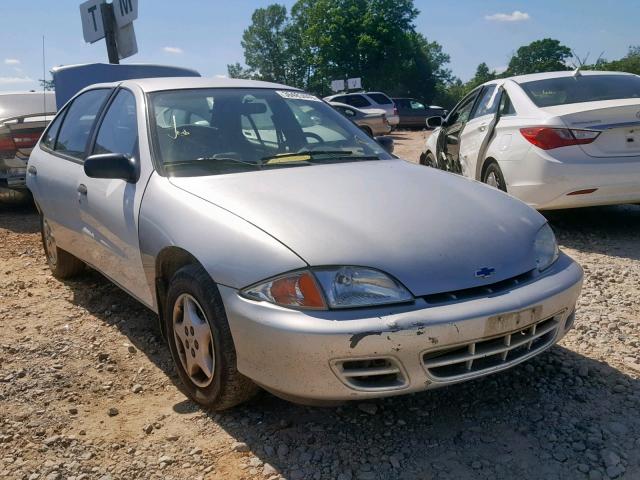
(430, 229)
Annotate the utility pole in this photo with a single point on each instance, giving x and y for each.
(109, 21)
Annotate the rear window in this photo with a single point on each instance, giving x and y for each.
(380, 98)
(357, 101)
(587, 88)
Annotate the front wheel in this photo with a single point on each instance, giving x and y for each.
(493, 176)
(200, 341)
(61, 263)
(428, 160)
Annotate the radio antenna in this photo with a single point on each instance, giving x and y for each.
(44, 83)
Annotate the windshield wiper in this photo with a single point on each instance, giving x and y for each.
(212, 160)
(311, 153)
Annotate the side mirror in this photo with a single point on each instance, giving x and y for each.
(112, 165)
(435, 122)
(385, 142)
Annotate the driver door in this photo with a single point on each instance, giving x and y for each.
(449, 138)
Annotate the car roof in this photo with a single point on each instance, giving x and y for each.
(179, 83)
(566, 73)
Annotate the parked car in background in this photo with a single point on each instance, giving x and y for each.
(369, 101)
(374, 123)
(23, 118)
(260, 236)
(414, 114)
(553, 140)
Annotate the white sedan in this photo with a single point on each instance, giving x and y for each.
(553, 140)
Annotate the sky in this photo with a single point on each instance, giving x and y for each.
(206, 35)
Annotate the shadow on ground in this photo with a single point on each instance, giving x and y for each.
(547, 418)
(613, 230)
(19, 218)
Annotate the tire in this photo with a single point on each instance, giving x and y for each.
(61, 263)
(213, 380)
(492, 175)
(428, 160)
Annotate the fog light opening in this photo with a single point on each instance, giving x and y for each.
(568, 323)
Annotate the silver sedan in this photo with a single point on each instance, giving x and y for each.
(283, 248)
(374, 123)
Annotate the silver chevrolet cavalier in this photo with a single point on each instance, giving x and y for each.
(283, 248)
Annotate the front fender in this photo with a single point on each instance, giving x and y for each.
(233, 251)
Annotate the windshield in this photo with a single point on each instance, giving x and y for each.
(223, 130)
(585, 88)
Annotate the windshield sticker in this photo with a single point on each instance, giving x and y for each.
(293, 95)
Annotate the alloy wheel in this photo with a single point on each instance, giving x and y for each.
(193, 340)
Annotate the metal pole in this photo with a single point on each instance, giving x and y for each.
(110, 31)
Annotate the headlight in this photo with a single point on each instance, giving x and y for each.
(336, 287)
(545, 247)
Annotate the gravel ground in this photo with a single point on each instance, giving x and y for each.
(87, 388)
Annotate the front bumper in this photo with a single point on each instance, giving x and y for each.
(313, 355)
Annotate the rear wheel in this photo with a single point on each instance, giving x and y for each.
(200, 341)
(492, 176)
(62, 264)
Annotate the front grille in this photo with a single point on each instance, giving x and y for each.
(477, 292)
(371, 374)
(479, 357)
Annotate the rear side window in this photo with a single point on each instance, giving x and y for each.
(49, 138)
(357, 101)
(488, 103)
(380, 98)
(506, 107)
(76, 127)
(585, 88)
(119, 130)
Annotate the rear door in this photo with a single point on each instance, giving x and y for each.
(448, 145)
(109, 212)
(55, 169)
(477, 128)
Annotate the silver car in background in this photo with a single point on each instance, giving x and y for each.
(282, 247)
(373, 123)
(23, 118)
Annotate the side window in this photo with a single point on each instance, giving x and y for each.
(506, 107)
(358, 101)
(417, 105)
(348, 112)
(461, 113)
(49, 138)
(488, 102)
(339, 99)
(119, 130)
(75, 130)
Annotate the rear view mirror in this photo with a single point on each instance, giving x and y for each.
(435, 122)
(112, 165)
(385, 142)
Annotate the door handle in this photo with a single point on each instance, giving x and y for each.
(482, 128)
(82, 189)
(32, 170)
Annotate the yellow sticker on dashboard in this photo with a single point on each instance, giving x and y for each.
(289, 159)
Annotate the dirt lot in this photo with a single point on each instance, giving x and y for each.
(87, 389)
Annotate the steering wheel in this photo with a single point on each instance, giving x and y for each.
(315, 136)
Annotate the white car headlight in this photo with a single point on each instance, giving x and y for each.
(334, 287)
(348, 287)
(545, 247)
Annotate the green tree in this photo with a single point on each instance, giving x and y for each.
(546, 55)
(235, 70)
(630, 63)
(46, 85)
(482, 75)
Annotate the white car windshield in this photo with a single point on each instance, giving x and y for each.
(223, 130)
(583, 88)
